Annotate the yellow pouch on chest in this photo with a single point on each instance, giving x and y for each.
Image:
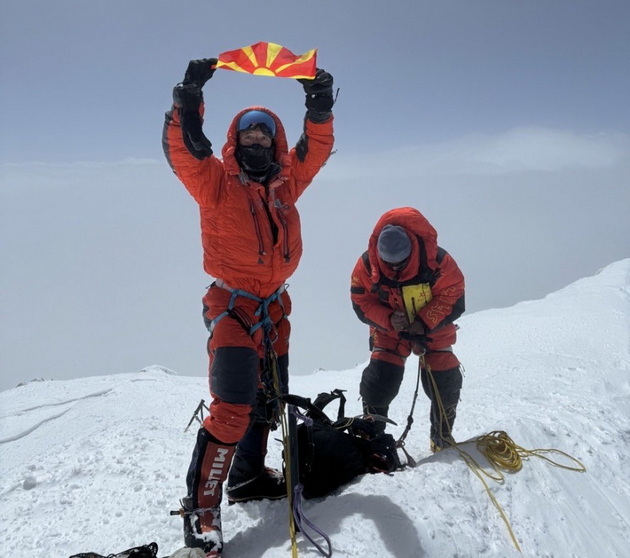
(416, 297)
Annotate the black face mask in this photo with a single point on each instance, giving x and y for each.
(254, 158)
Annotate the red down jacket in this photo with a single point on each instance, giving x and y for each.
(376, 291)
(239, 216)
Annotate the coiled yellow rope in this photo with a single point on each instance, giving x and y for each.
(501, 452)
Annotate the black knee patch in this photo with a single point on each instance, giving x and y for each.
(283, 372)
(234, 375)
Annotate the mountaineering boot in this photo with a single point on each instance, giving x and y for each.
(202, 506)
(441, 444)
(443, 404)
(267, 485)
(249, 478)
(202, 529)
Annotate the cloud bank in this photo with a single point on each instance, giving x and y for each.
(514, 151)
(101, 262)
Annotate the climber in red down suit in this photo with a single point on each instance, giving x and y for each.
(410, 291)
(251, 237)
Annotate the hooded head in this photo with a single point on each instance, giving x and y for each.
(393, 244)
(420, 236)
(281, 161)
(255, 150)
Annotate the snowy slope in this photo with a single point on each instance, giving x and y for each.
(97, 463)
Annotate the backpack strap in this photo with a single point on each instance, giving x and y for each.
(313, 411)
(324, 399)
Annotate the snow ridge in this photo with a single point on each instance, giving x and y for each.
(102, 473)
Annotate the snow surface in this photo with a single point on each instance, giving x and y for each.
(95, 464)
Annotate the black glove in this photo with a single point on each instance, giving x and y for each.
(416, 327)
(418, 334)
(319, 95)
(188, 99)
(198, 144)
(200, 71)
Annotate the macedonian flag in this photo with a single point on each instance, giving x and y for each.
(269, 59)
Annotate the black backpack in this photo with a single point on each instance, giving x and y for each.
(332, 453)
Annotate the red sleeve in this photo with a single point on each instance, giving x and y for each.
(202, 178)
(310, 154)
(447, 303)
(365, 303)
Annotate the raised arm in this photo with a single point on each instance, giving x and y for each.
(316, 142)
(187, 150)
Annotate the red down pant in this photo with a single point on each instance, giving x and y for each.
(381, 379)
(237, 425)
(235, 355)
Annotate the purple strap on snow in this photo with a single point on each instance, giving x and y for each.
(298, 514)
(301, 520)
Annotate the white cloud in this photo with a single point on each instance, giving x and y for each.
(514, 151)
(116, 248)
(525, 149)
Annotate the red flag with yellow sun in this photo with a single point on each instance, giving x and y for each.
(269, 59)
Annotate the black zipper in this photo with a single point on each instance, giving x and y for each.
(261, 247)
(285, 235)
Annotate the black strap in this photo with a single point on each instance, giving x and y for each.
(325, 398)
(312, 410)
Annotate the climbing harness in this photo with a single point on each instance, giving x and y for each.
(263, 309)
(265, 323)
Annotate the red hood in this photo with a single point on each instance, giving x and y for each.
(415, 223)
(280, 142)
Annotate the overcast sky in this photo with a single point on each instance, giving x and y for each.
(505, 122)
